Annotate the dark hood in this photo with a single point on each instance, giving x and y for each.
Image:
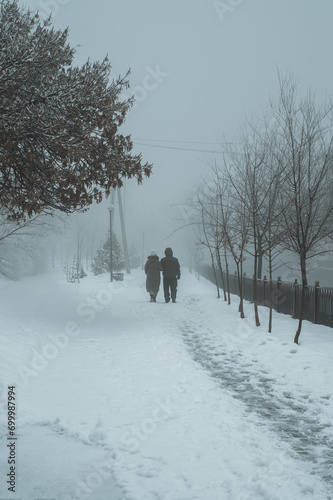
(168, 252)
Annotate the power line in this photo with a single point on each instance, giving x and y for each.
(182, 149)
(184, 142)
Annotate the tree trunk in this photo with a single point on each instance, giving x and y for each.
(240, 286)
(301, 312)
(255, 291)
(227, 272)
(270, 291)
(215, 276)
(221, 272)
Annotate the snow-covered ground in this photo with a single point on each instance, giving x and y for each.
(118, 398)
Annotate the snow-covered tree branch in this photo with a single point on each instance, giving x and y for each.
(59, 142)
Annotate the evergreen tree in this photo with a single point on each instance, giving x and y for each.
(101, 262)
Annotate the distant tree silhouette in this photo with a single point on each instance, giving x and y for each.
(101, 263)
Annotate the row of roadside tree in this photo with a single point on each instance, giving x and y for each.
(271, 193)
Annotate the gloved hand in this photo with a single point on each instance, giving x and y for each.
(178, 277)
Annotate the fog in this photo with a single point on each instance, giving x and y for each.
(197, 69)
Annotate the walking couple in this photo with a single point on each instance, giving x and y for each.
(170, 267)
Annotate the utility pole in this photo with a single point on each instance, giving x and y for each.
(143, 249)
(111, 209)
(123, 232)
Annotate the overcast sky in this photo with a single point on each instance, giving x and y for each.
(197, 66)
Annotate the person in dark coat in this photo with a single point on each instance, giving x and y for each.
(171, 273)
(152, 269)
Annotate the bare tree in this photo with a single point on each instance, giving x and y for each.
(202, 226)
(237, 238)
(269, 216)
(245, 174)
(305, 150)
(214, 224)
(263, 178)
(222, 219)
(22, 242)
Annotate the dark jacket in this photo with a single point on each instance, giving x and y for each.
(170, 265)
(152, 270)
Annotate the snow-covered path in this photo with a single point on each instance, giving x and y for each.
(119, 399)
(293, 416)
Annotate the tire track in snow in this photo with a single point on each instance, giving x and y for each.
(292, 417)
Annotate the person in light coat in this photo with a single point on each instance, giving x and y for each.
(153, 269)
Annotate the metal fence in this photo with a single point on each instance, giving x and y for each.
(318, 305)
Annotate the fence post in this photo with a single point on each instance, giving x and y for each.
(295, 301)
(278, 293)
(236, 282)
(316, 290)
